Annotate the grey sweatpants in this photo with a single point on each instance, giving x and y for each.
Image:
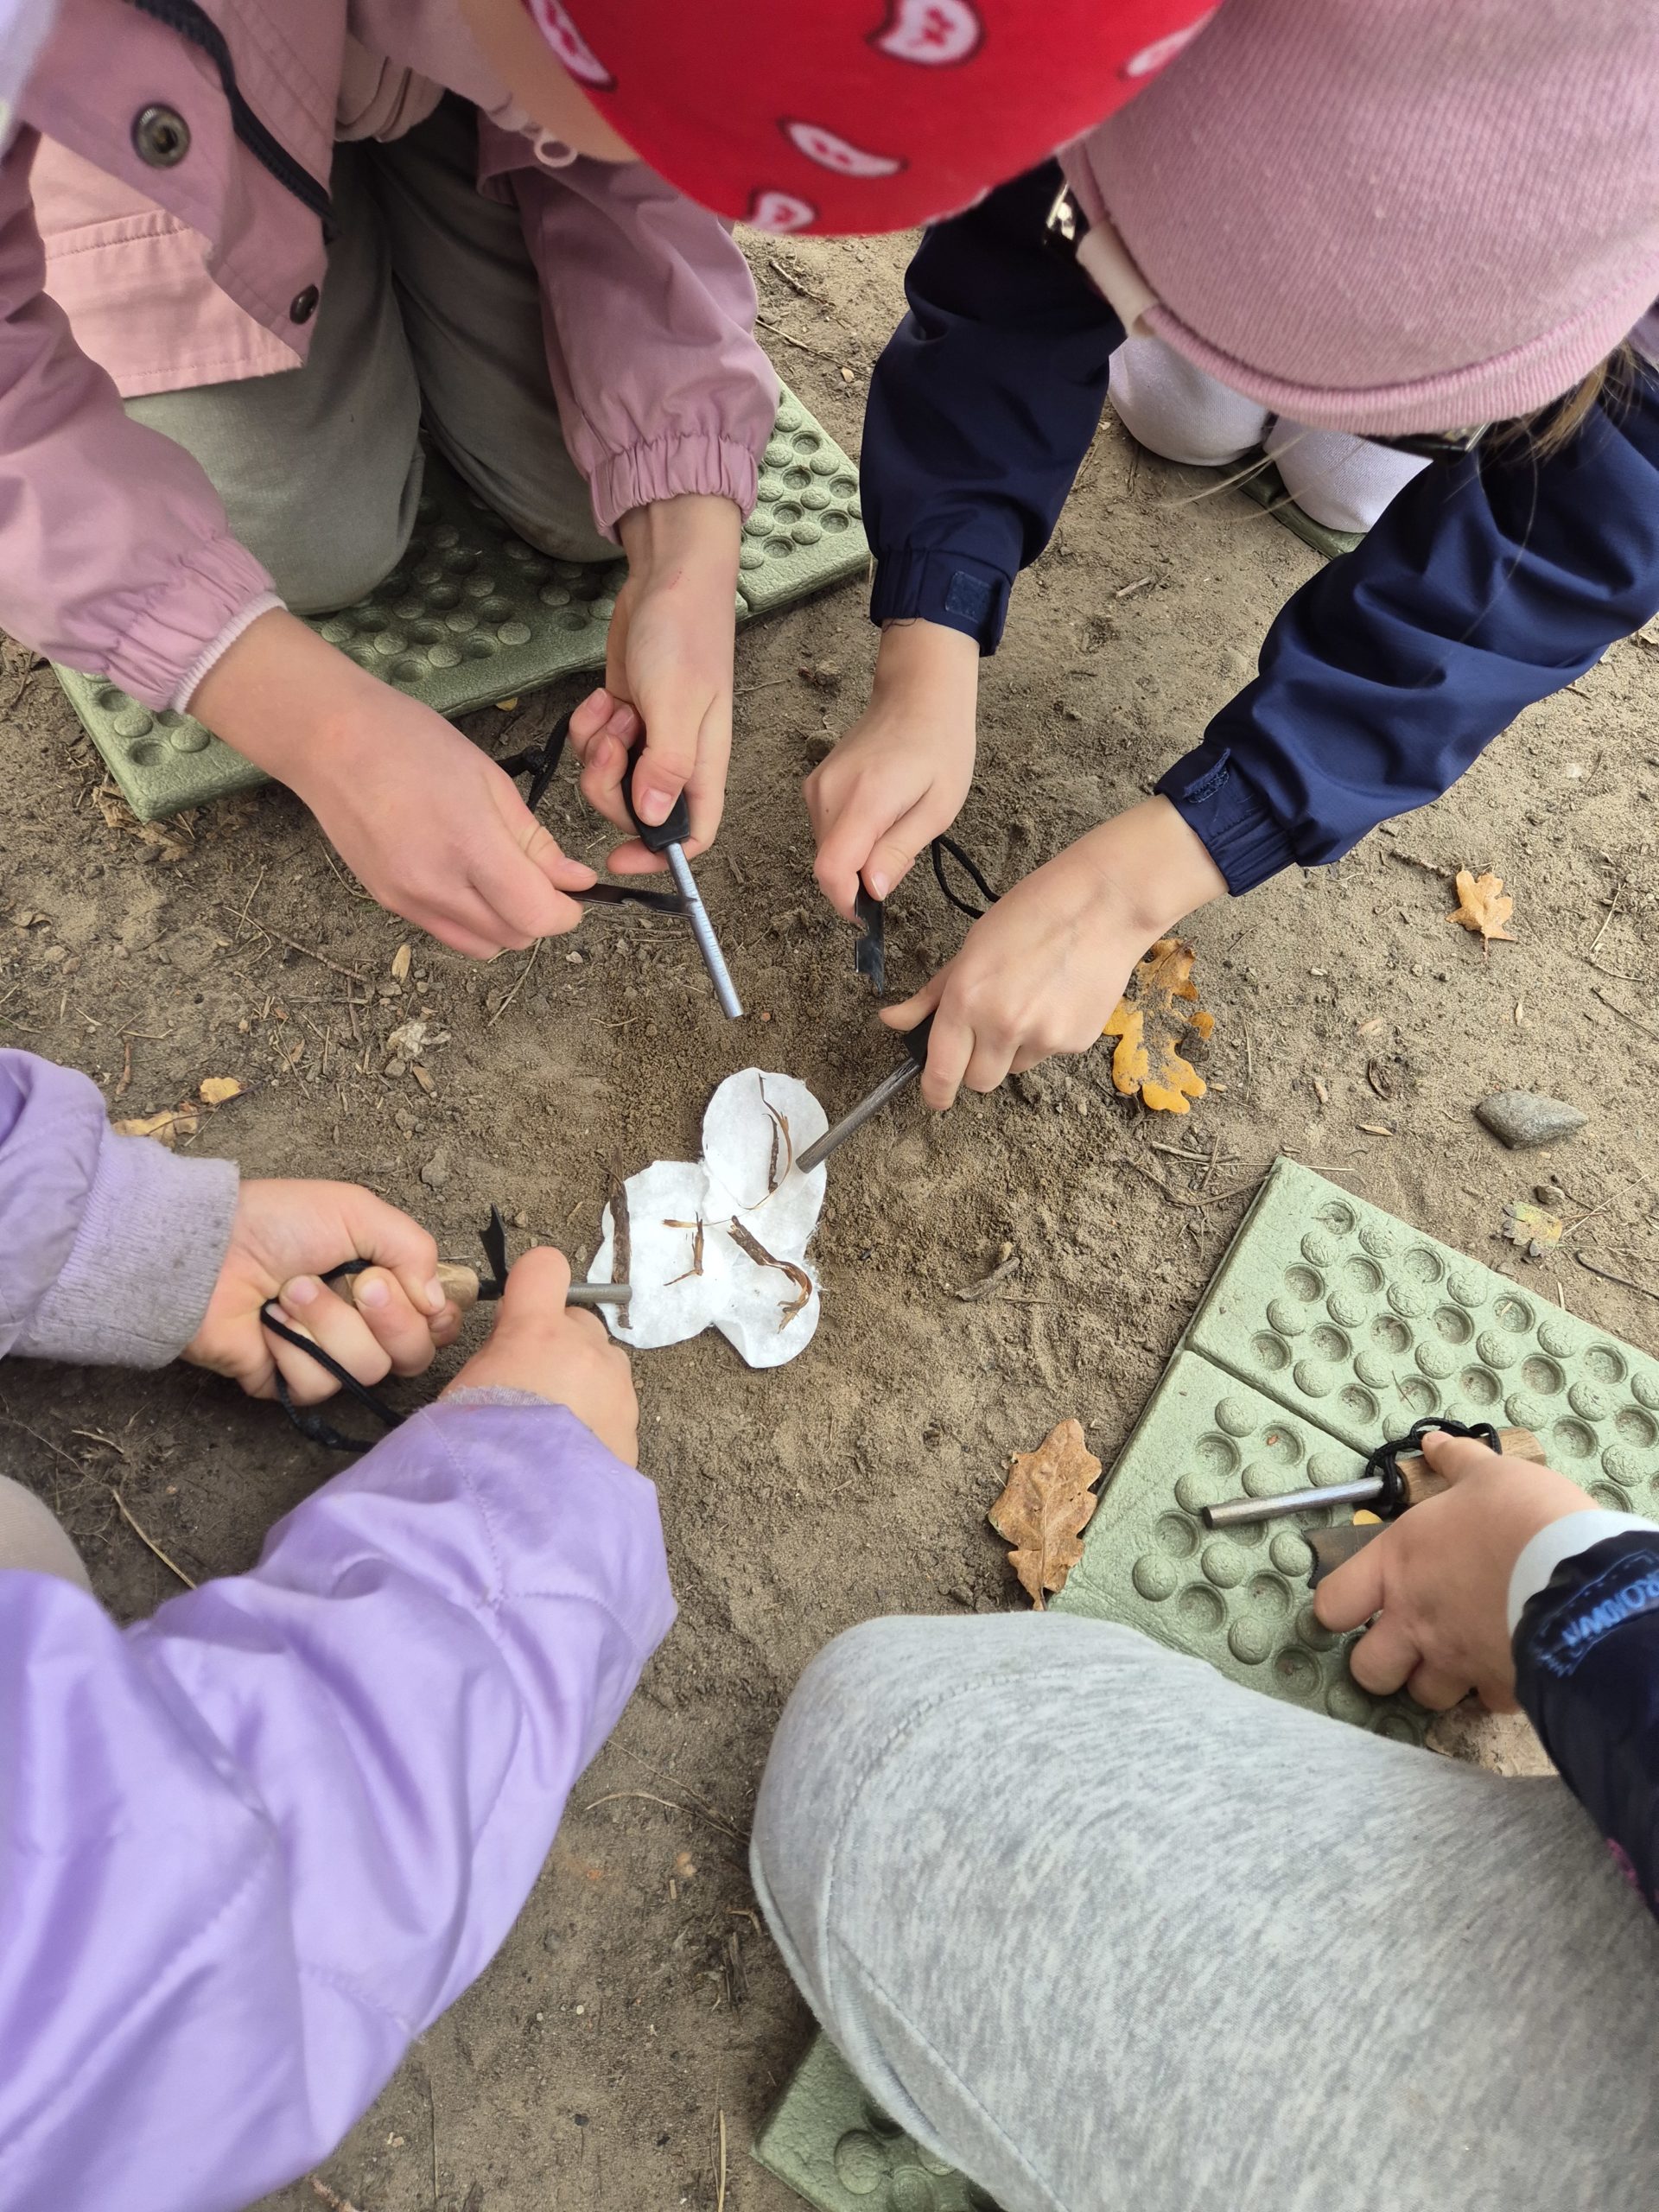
(1106, 1930)
(432, 312)
(33, 1537)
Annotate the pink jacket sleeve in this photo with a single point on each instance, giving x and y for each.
(252, 1847)
(115, 553)
(649, 310)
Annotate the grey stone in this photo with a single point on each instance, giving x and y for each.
(436, 1173)
(1525, 1118)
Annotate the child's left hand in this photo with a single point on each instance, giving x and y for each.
(668, 668)
(284, 1236)
(1041, 972)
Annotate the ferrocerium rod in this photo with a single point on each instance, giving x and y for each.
(1240, 1512)
(697, 914)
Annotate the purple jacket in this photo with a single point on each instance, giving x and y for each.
(128, 266)
(252, 1846)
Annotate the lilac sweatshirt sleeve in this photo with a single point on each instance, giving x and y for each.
(252, 1847)
(109, 1246)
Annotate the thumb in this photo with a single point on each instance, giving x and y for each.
(1454, 1458)
(533, 1301)
(664, 767)
(1354, 1592)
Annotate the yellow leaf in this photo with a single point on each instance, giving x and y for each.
(1157, 1013)
(400, 961)
(1482, 907)
(1046, 1505)
(215, 1090)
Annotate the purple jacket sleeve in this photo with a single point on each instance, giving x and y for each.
(115, 554)
(649, 309)
(110, 1246)
(250, 1848)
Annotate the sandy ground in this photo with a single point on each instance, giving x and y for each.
(637, 1999)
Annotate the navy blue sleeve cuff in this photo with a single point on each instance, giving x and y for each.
(952, 590)
(1243, 839)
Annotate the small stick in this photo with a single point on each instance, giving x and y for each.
(311, 953)
(1613, 908)
(645, 1797)
(777, 331)
(1128, 591)
(519, 986)
(335, 2203)
(819, 300)
(974, 1290)
(719, 2193)
(149, 1541)
(1607, 1274)
(1619, 1011)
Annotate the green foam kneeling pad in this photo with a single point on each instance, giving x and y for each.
(1263, 483)
(472, 613)
(1239, 1598)
(1363, 1325)
(832, 2145)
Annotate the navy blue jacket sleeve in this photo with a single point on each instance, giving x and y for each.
(1484, 587)
(981, 411)
(1587, 1654)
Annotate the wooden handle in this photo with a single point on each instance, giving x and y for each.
(460, 1285)
(1421, 1483)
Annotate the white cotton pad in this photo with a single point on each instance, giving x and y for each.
(745, 1180)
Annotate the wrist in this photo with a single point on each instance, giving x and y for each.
(693, 526)
(284, 698)
(925, 662)
(1150, 869)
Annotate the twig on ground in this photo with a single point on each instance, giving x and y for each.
(57, 1450)
(432, 2121)
(517, 986)
(807, 293)
(645, 1797)
(1128, 591)
(1188, 1198)
(1613, 1003)
(335, 2203)
(1610, 1275)
(310, 952)
(147, 1541)
(719, 2188)
(1613, 908)
(790, 339)
(999, 1274)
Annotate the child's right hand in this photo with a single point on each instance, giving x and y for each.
(560, 1353)
(429, 824)
(898, 778)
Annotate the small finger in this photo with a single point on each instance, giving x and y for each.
(1354, 1592)
(1386, 1656)
(949, 1049)
(402, 1330)
(1436, 1689)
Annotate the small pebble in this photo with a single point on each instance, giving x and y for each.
(436, 1173)
(394, 1069)
(1523, 1119)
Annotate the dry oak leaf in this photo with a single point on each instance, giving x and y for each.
(179, 1123)
(215, 1090)
(1047, 1504)
(1481, 906)
(1155, 1015)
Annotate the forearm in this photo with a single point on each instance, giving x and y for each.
(333, 1780)
(1587, 1650)
(980, 409)
(1480, 591)
(113, 1245)
(115, 554)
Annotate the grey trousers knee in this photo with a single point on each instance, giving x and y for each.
(1107, 1930)
(33, 1538)
(431, 316)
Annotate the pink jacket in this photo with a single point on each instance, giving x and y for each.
(169, 267)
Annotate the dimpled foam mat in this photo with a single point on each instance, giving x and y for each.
(472, 613)
(1237, 1597)
(1362, 1325)
(843, 2153)
(1262, 483)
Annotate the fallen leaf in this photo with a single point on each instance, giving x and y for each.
(1370, 1028)
(1533, 1227)
(1481, 906)
(685, 1866)
(422, 1077)
(1379, 1078)
(1046, 1505)
(215, 1090)
(1374, 1129)
(1320, 1092)
(1152, 1018)
(179, 1123)
(400, 961)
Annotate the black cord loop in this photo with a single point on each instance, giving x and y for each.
(1384, 1463)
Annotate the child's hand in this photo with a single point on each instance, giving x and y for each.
(284, 1235)
(899, 776)
(668, 668)
(429, 824)
(565, 1355)
(1438, 1579)
(1042, 971)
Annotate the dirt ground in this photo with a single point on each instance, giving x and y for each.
(637, 1999)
